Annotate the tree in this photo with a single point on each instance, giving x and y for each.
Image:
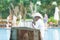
(46, 6)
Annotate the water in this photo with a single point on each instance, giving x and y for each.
(52, 34)
(4, 34)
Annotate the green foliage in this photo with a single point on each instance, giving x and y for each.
(34, 1)
(46, 9)
(51, 19)
(5, 14)
(46, 6)
(45, 2)
(28, 17)
(26, 3)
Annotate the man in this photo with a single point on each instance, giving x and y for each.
(38, 23)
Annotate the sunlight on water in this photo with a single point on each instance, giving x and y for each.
(56, 35)
(4, 34)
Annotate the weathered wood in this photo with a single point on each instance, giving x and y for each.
(26, 34)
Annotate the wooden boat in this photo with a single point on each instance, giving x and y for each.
(24, 33)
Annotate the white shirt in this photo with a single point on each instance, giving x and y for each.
(39, 24)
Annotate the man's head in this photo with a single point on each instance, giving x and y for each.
(37, 16)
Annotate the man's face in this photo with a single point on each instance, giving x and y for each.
(36, 18)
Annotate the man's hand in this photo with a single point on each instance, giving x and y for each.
(33, 22)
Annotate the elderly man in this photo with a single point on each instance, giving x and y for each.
(38, 23)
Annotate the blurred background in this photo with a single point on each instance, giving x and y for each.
(27, 7)
(43, 6)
